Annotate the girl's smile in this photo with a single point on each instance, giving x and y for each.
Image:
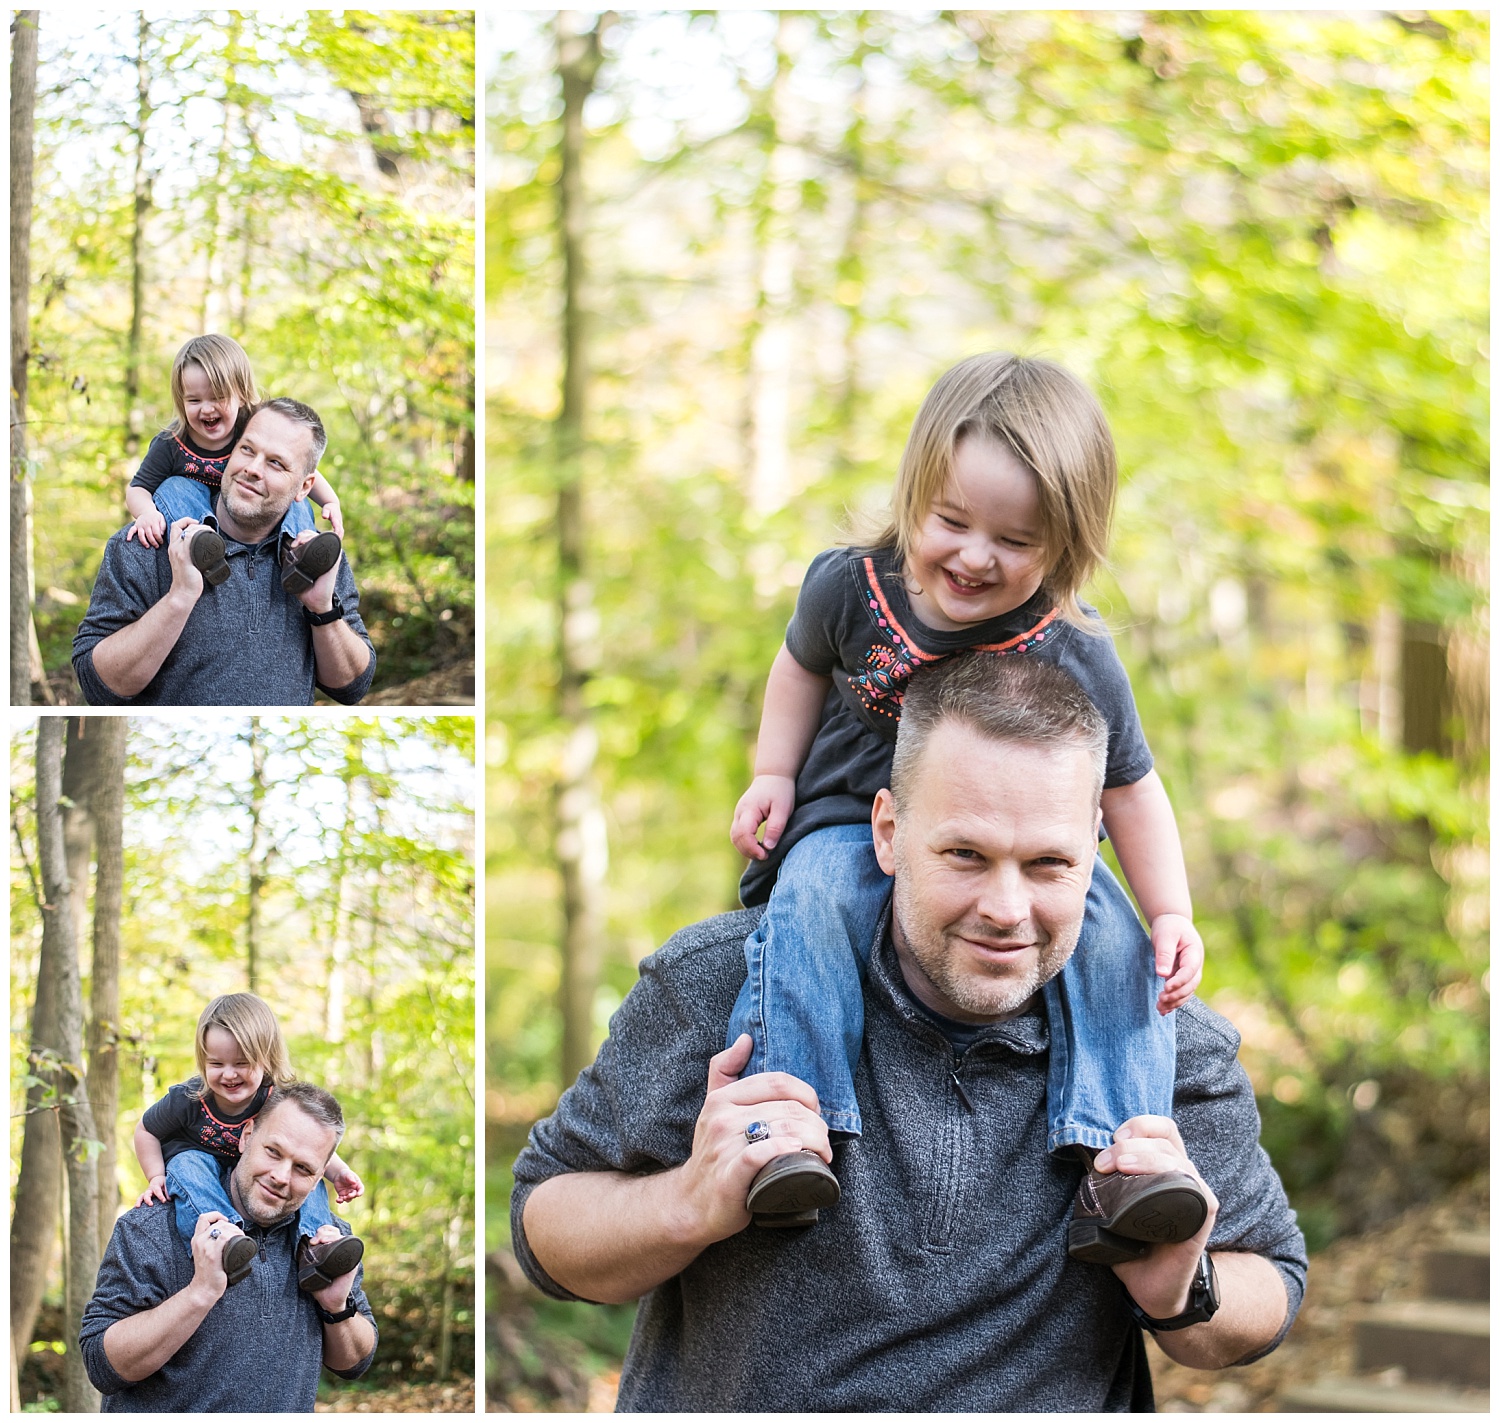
(210, 418)
(979, 552)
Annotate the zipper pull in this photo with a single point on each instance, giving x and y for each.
(962, 1095)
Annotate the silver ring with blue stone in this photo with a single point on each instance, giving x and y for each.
(757, 1131)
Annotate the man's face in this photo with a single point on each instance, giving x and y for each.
(282, 1156)
(265, 473)
(992, 859)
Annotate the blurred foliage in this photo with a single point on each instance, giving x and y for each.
(1262, 238)
(310, 184)
(366, 959)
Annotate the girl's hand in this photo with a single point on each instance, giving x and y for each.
(335, 517)
(1179, 959)
(156, 1190)
(771, 800)
(346, 1185)
(148, 528)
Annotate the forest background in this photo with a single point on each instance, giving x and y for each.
(327, 866)
(303, 183)
(728, 253)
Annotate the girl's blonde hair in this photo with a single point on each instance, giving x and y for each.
(1053, 424)
(225, 364)
(251, 1023)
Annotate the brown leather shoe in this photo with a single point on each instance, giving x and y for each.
(239, 1255)
(322, 1263)
(788, 1190)
(1118, 1218)
(206, 553)
(303, 564)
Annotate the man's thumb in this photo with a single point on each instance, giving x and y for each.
(725, 1067)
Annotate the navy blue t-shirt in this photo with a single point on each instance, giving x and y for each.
(854, 622)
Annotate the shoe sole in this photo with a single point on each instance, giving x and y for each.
(792, 1220)
(314, 559)
(1091, 1243)
(791, 1184)
(206, 553)
(238, 1272)
(1162, 1216)
(339, 1261)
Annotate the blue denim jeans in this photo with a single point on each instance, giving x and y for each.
(1111, 1055)
(194, 1184)
(178, 497)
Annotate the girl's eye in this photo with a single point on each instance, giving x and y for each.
(952, 523)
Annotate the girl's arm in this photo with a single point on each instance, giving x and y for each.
(150, 522)
(153, 1166)
(327, 501)
(1140, 822)
(788, 723)
(346, 1185)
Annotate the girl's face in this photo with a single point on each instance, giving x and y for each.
(209, 418)
(979, 550)
(232, 1077)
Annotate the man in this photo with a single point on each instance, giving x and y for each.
(165, 1332)
(941, 1280)
(158, 634)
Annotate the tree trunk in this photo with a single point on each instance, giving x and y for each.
(256, 862)
(135, 417)
(338, 939)
(215, 307)
(771, 342)
(107, 733)
(75, 1119)
(22, 131)
(581, 843)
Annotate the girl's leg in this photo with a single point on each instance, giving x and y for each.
(316, 1210)
(1112, 1056)
(193, 1181)
(298, 518)
(182, 498)
(803, 1001)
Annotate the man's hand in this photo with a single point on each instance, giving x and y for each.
(1179, 959)
(156, 1190)
(716, 1177)
(335, 1294)
(187, 581)
(209, 1280)
(318, 598)
(1162, 1282)
(148, 528)
(347, 1186)
(770, 799)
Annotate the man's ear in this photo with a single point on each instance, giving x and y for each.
(883, 827)
(245, 1135)
(307, 484)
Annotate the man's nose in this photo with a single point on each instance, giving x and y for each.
(1003, 900)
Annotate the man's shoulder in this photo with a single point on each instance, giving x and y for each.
(1201, 1029)
(704, 949)
(150, 1228)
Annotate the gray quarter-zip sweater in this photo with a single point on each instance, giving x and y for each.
(941, 1281)
(246, 642)
(258, 1350)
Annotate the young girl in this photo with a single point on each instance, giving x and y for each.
(1001, 511)
(213, 389)
(180, 1140)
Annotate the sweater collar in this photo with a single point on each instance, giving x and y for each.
(1025, 1034)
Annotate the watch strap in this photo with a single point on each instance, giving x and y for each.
(349, 1310)
(1202, 1305)
(317, 620)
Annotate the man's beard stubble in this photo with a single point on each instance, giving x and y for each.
(249, 1206)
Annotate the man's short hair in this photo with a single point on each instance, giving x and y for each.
(1015, 698)
(302, 414)
(322, 1106)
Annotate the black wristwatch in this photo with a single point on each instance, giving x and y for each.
(349, 1310)
(317, 620)
(1202, 1305)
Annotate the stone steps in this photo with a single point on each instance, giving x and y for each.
(1418, 1356)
